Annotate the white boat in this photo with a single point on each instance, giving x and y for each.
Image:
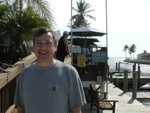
(145, 87)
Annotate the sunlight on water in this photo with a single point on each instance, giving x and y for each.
(145, 69)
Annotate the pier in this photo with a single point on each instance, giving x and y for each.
(118, 79)
(118, 76)
(125, 104)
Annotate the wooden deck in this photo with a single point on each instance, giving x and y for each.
(138, 61)
(126, 103)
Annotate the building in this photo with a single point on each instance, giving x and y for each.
(143, 56)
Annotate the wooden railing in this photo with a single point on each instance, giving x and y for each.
(8, 82)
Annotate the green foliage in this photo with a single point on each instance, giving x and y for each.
(19, 20)
(131, 49)
(82, 13)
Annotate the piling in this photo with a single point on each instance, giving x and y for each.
(134, 86)
(125, 84)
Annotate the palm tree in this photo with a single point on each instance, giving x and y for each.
(129, 50)
(125, 49)
(80, 18)
(132, 49)
(42, 8)
(18, 23)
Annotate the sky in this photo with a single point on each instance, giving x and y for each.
(128, 22)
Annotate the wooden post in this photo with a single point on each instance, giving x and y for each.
(139, 71)
(119, 67)
(116, 66)
(134, 67)
(134, 86)
(110, 77)
(125, 84)
(117, 82)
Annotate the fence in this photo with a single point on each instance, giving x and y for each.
(8, 82)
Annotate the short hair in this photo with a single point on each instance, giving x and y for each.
(65, 33)
(42, 31)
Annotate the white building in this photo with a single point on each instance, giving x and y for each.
(143, 56)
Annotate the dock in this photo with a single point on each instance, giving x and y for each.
(118, 78)
(125, 104)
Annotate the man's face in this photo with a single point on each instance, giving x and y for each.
(44, 47)
(66, 35)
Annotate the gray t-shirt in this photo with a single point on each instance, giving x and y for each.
(55, 89)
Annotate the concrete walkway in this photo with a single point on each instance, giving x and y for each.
(126, 103)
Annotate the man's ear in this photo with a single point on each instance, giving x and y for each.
(56, 46)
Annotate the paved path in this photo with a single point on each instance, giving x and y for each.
(126, 103)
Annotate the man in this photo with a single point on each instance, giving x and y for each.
(85, 50)
(48, 85)
(63, 49)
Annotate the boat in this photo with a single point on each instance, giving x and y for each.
(145, 87)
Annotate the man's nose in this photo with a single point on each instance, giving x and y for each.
(43, 46)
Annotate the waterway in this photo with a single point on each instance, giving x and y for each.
(145, 70)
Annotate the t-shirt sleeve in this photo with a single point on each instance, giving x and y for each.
(76, 92)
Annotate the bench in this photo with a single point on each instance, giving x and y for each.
(100, 101)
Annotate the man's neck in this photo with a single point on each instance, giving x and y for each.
(46, 63)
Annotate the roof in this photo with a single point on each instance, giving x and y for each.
(143, 54)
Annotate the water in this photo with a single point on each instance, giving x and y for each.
(145, 70)
(145, 101)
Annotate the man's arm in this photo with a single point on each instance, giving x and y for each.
(20, 110)
(76, 110)
(66, 45)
